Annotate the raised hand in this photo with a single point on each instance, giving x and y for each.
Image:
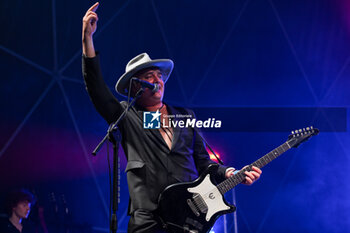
(89, 27)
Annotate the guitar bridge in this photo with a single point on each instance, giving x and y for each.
(193, 207)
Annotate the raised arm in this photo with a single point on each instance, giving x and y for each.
(89, 27)
(101, 96)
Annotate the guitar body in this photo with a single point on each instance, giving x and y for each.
(193, 206)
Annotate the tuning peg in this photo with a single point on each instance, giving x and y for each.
(307, 128)
(292, 132)
(311, 127)
(300, 131)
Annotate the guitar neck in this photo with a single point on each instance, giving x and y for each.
(238, 178)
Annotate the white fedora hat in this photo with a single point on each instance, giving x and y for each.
(138, 63)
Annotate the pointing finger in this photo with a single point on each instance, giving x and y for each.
(94, 7)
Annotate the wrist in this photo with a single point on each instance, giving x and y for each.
(88, 49)
(86, 38)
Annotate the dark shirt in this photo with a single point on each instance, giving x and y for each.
(7, 227)
(151, 166)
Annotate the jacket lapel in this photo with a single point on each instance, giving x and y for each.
(152, 132)
(155, 132)
(176, 130)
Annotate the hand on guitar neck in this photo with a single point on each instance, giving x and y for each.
(251, 176)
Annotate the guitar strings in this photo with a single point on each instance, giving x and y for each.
(206, 195)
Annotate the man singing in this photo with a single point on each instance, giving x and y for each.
(156, 157)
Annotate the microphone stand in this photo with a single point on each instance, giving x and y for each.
(114, 136)
(207, 144)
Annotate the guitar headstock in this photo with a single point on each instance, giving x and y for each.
(301, 135)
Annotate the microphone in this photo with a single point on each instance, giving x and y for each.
(153, 87)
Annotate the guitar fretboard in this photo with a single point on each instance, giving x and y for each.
(238, 178)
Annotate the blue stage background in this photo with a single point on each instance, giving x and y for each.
(255, 54)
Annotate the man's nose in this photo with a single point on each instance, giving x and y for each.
(157, 79)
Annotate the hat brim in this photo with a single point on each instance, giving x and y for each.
(165, 65)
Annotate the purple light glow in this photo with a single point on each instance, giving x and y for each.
(44, 154)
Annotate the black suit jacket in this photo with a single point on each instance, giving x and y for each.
(151, 166)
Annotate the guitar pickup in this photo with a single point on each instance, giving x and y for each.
(193, 207)
(200, 203)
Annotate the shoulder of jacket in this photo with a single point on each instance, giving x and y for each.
(185, 111)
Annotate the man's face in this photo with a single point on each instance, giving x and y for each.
(152, 75)
(22, 209)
